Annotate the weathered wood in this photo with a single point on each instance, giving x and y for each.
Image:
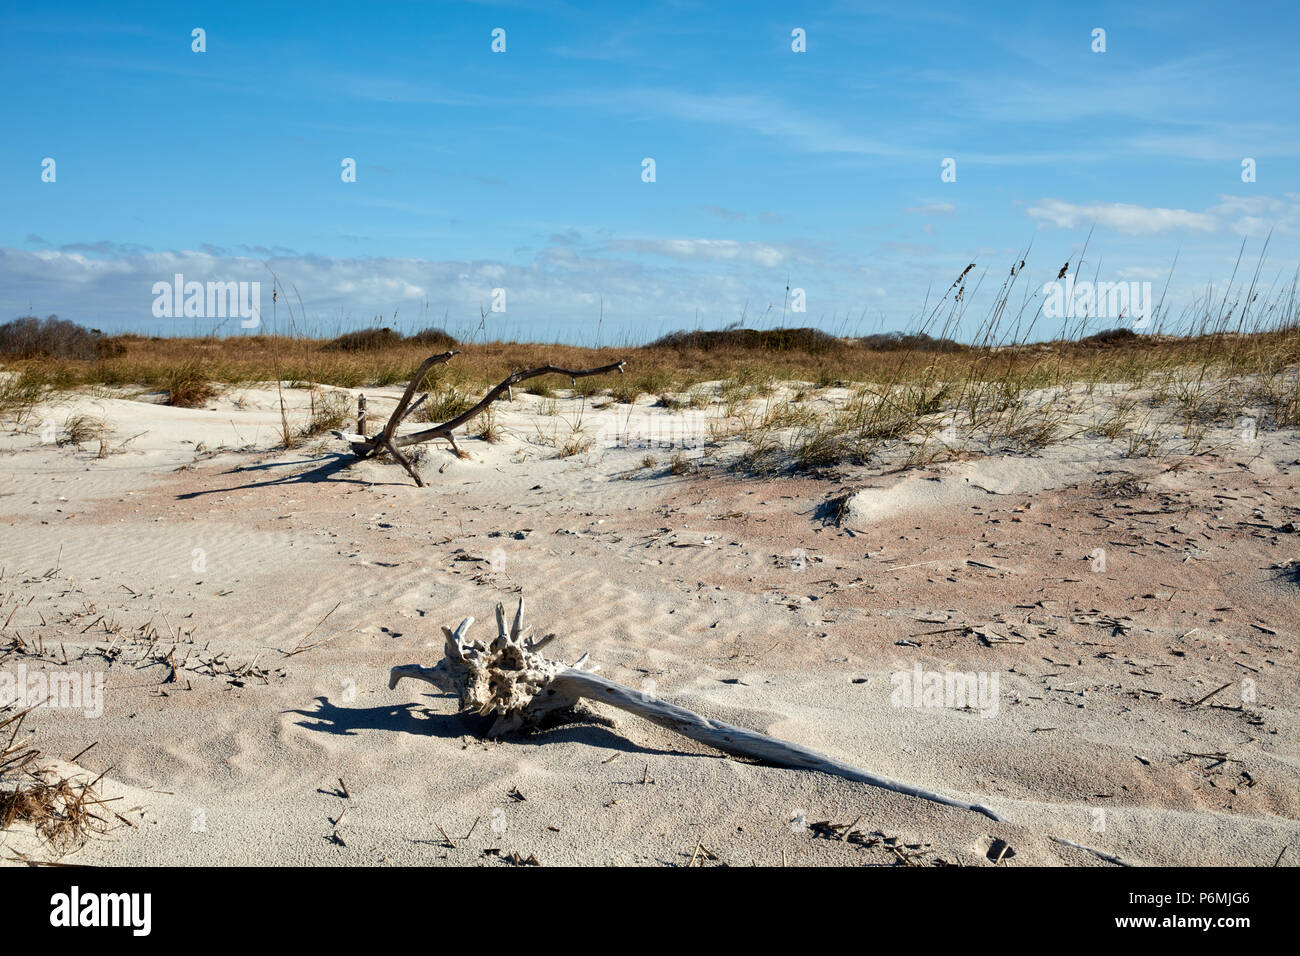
(510, 679)
(384, 438)
(445, 429)
(389, 441)
(415, 406)
(404, 462)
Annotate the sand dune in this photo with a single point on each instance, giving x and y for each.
(244, 604)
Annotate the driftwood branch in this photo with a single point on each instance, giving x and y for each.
(509, 678)
(444, 430)
(385, 438)
(389, 441)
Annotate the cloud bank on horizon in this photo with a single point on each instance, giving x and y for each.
(570, 171)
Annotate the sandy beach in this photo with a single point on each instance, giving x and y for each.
(241, 605)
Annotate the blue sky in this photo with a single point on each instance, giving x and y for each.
(522, 170)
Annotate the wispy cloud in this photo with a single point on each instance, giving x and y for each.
(710, 250)
(1119, 217)
(730, 215)
(932, 209)
(1245, 215)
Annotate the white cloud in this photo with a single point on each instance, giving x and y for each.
(704, 250)
(1244, 215)
(932, 209)
(550, 293)
(1120, 217)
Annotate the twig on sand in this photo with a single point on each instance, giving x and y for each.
(1210, 694)
(1087, 849)
(302, 644)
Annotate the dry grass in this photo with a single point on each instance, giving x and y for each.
(489, 430)
(188, 385)
(64, 812)
(177, 364)
(83, 428)
(329, 411)
(1243, 353)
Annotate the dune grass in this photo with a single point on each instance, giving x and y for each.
(62, 811)
(1242, 353)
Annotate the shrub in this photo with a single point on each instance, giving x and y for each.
(780, 340)
(1120, 336)
(433, 338)
(365, 340)
(910, 342)
(52, 337)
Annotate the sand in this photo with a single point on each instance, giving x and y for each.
(244, 603)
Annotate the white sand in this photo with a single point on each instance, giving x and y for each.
(729, 594)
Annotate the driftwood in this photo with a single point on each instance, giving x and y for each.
(387, 440)
(509, 678)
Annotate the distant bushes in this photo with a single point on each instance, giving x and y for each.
(776, 340)
(909, 342)
(365, 340)
(433, 338)
(52, 337)
(1120, 336)
(810, 341)
(372, 340)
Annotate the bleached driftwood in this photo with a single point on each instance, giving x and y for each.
(509, 678)
(389, 441)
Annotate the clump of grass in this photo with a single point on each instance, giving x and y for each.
(626, 393)
(329, 411)
(489, 429)
(1142, 444)
(1110, 337)
(20, 392)
(1283, 399)
(390, 374)
(62, 810)
(445, 404)
(679, 464)
(83, 428)
(577, 441)
(575, 444)
(1118, 419)
(188, 386)
(815, 447)
(627, 388)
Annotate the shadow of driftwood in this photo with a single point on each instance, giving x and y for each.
(410, 718)
(327, 467)
(415, 718)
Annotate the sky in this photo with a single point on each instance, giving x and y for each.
(506, 194)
